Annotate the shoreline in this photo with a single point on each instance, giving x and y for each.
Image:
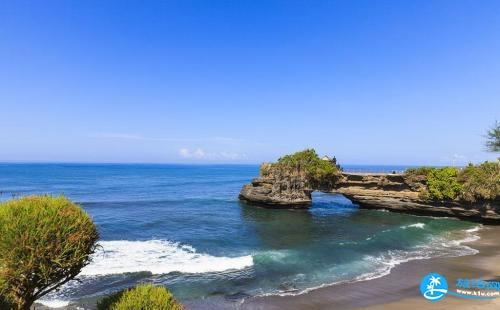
(399, 288)
(395, 290)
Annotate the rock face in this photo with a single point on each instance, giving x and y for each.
(400, 193)
(394, 192)
(271, 192)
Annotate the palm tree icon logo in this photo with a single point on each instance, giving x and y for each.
(434, 287)
(434, 281)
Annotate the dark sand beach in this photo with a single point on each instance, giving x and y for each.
(400, 288)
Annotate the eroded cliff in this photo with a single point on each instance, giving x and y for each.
(290, 186)
(401, 193)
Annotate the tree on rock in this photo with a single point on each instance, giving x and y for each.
(493, 138)
(45, 241)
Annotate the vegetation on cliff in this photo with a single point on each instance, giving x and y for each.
(141, 297)
(481, 182)
(472, 183)
(44, 242)
(306, 165)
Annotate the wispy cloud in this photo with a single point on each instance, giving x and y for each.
(124, 136)
(135, 136)
(199, 153)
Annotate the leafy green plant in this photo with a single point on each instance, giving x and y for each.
(44, 242)
(481, 182)
(308, 165)
(141, 297)
(442, 183)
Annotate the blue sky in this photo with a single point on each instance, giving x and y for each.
(372, 82)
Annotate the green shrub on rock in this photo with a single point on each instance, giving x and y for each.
(481, 182)
(470, 184)
(442, 183)
(44, 242)
(141, 297)
(306, 165)
(424, 170)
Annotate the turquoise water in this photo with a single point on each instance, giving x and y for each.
(184, 227)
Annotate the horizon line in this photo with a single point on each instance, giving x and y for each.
(198, 163)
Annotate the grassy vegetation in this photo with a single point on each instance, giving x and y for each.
(141, 297)
(472, 183)
(44, 242)
(306, 164)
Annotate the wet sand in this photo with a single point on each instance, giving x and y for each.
(400, 289)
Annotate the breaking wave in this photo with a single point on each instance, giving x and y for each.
(158, 257)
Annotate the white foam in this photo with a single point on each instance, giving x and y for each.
(54, 303)
(158, 257)
(474, 229)
(417, 225)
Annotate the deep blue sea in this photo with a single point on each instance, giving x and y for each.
(183, 226)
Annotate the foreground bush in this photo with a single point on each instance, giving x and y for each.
(44, 242)
(4, 305)
(141, 297)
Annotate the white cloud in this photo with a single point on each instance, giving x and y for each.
(184, 153)
(199, 153)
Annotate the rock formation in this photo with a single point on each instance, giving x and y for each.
(401, 193)
(289, 182)
(278, 193)
(394, 192)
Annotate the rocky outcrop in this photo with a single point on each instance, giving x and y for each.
(400, 193)
(394, 192)
(278, 193)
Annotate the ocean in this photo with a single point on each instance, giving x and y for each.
(183, 226)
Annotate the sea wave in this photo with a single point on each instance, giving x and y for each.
(440, 246)
(416, 225)
(382, 264)
(54, 303)
(158, 257)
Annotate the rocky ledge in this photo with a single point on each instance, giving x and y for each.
(394, 192)
(401, 193)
